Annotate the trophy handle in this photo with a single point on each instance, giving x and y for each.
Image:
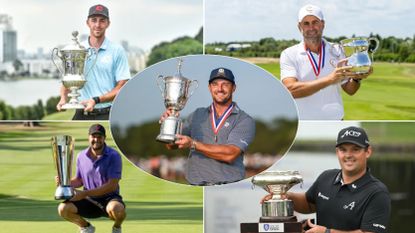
(94, 51)
(196, 85)
(376, 42)
(55, 53)
(160, 83)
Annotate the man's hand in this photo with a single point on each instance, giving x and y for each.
(183, 141)
(315, 228)
(79, 195)
(166, 114)
(62, 101)
(90, 104)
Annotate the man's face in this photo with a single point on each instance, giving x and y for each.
(353, 158)
(97, 25)
(311, 27)
(221, 90)
(96, 141)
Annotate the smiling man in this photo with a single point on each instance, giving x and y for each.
(98, 172)
(106, 70)
(349, 200)
(217, 135)
(308, 73)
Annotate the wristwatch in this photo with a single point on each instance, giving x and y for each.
(327, 230)
(96, 99)
(193, 145)
(356, 80)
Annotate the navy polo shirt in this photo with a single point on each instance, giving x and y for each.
(364, 204)
(238, 130)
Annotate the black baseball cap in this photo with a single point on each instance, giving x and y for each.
(222, 73)
(98, 10)
(97, 128)
(354, 135)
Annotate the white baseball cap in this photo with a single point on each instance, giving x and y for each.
(310, 10)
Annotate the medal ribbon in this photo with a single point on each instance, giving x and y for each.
(322, 54)
(218, 123)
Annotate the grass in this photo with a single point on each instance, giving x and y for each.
(27, 187)
(65, 115)
(386, 95)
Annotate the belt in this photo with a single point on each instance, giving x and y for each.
(98, 111)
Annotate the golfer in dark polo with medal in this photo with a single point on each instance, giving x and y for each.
(217, 135)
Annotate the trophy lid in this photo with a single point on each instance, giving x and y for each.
(178, 76)
(277, 182)
(75, 45)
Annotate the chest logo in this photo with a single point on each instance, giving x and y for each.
(323, 197)
(349, 206)
(226, 124)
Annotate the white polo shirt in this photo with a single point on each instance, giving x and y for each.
(325, 104)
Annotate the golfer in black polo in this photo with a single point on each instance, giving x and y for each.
(350, 199)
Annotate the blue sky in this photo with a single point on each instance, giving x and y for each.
(239, 20)
(144, 23)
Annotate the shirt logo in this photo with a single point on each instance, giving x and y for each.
(244, 142)
(322, 196)
(379, 225)
(349, 206)
(226, 124)
(351, 133)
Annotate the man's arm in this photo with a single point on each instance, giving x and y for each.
(303, 89)
(224, 153)
(110, 186)
(76, 182)
(107, 97)
(314, 228)
(353, 85)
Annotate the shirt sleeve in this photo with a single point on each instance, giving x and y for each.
(186, 129)
(377, 214)
(243, 133)
(115, 168)
(78, 172)
(121, 69)
(287, 66)
(311, 193)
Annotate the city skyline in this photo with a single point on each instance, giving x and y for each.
(48, 23)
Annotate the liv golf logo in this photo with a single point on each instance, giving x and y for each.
(270, 227)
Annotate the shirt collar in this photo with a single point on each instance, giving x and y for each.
(235, 109)
(354, 186)
(104, 45)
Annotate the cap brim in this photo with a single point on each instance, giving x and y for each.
(352, 142)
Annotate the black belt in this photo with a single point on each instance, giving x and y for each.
(98, 111)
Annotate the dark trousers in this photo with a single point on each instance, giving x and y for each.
(96, 114)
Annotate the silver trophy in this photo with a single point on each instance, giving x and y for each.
(70, 63)
(175, 91)
(277, 183)
(63, 148)
(357, 50)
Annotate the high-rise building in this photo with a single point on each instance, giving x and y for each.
(8, 40)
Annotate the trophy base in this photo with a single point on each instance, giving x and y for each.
(166, 138)
(278, 219)
(284, 227)
(360, 69)
(64, 193)
(73, 106)
(168, 130)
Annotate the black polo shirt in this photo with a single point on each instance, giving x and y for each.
(364, 204)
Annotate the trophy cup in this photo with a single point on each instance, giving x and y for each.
(175, 91)
(70, 63)
(357, 50)
(277, 213)
(63, 147)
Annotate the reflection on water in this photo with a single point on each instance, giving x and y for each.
(28, 91)
(227, 206)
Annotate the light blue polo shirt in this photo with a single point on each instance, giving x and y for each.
(111, 67)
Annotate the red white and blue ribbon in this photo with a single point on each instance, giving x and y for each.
(317, 66)
(217, 123)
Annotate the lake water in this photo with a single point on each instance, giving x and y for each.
(225, 207)
(29, 91)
